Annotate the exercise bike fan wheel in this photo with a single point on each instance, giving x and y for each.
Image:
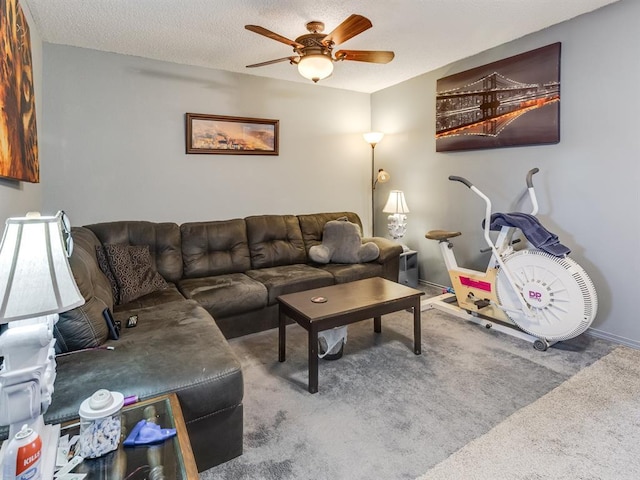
(561, 295)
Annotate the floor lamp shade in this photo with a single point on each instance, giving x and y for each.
(35, 276)
(373, 138)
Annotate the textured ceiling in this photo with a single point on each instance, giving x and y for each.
(424, 34)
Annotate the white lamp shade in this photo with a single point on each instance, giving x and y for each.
(373, 138)
(383, 176)
(315, 67)
(35, 276)
(396, 203)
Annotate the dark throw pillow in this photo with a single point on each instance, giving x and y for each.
(103, 263)
(134, 271)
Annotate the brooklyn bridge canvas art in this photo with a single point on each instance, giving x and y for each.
(514, 101)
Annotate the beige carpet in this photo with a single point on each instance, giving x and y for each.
(586, 428)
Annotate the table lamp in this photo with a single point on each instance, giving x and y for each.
(397, 207)
(36, 283)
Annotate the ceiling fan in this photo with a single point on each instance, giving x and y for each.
(314, 50)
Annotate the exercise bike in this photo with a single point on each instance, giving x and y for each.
(528, 293)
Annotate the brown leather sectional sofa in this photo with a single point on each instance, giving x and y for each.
(223, 280)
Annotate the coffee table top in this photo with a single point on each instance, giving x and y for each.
(347, 297)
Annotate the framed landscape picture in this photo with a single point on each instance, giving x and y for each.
(511, 102)
(223, 135)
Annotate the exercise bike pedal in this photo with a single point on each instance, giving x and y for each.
(482, 303)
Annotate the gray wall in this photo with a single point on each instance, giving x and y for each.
(587, 188)
(114, 139)
(18, 198)
(111, 132)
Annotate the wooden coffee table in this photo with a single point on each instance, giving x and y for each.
(346, 303)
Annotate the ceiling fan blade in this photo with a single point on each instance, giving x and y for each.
(274, 36)
(278, 60)
(352, 26)
(372, 56)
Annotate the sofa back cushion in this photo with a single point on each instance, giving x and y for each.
(312, 225)
(215, 248)
(275, 240)
(163, 240)
(85, 326)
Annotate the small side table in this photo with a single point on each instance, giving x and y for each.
(174, 454)
(409, 269)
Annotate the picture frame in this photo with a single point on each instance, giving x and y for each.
(225, 135)
(511, 102)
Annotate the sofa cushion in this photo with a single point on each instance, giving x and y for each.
(343, 273)
(85, 326)
(290, 279)
(163, 240)
(214, 248)
(275, 240)
(133, 271)
(312, 225)
(225, 295)
(176, 347)
(158, 297)
(84, 265)
(82, 327)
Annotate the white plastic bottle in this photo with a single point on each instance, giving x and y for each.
(100, 426)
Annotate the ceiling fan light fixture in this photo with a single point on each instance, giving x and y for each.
(315, 67)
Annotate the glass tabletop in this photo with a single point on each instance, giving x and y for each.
(164, 460)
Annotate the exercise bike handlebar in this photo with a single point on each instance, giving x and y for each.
(487, 212)
(532, 192)
(530, 175)
(454, 178)
(476, 190)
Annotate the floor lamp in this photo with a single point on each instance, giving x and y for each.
(373, 138)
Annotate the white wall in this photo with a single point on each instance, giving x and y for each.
(114, 142)
(587, 187)
(18, 198)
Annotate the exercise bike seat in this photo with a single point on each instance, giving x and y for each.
(441, 235)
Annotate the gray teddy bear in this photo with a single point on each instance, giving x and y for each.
(342, 243)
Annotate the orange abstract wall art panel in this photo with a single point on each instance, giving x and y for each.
(18, 136)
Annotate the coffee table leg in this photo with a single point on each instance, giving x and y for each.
(313, 360)
(377, 324)
(417, 329)
(282, 336)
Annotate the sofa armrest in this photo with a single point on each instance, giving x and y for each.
(389, 256)
(388, 248)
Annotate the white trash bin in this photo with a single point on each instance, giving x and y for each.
(331, 343)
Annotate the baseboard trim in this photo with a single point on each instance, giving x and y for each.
(627, 342)
(430, 284)
(594, 332)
